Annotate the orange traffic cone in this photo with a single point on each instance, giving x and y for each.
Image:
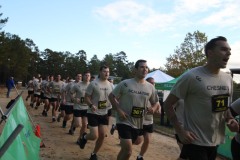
(38, 134)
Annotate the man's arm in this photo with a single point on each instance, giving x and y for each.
(168, 107)
(89, 102)
(115, 105)
(154, 108)
(231, 113)
(231, 122)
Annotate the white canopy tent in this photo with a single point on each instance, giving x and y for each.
(160, 77)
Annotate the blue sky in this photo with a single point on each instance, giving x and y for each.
(143, 29)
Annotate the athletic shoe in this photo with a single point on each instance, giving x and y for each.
(93, 157)
(53, 119)
(44, 113)
(59, 118)
(64, 124)
(71, 131)
(139, 158)
(78, 142)
(83, 141)
(112, 129)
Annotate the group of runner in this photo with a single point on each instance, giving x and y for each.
(206, 93)
(90, 102)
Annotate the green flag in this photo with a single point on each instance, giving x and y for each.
(26, 146)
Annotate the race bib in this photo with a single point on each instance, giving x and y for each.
(220, 102)
(137, 112)
(57, 90)
(102, 104)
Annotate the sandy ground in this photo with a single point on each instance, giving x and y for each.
(62, 146)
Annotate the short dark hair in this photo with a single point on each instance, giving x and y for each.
(149, 78)
(87, 71)
(138, 62)
(103, 67)
(212, 43)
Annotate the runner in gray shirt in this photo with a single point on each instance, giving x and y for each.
(96, 96)
(80, 106)
(207, 93)
(131, 99)
(148, 124)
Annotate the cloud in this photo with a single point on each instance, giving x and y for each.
(216, 13)
(192, 6)
(226, 16)
(133, 16)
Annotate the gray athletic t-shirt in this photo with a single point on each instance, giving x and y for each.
(206, 97)
(79, 90)
(99, 91)
(66, 88)
(37, 87)
(44, 88)
(133, 100)
(148, 117)
(55, 88)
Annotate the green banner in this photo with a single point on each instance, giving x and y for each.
(225, 149)
(26, 146)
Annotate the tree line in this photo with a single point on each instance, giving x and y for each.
(22, 58)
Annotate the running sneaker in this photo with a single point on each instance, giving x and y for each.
(83, 141)
(64, 124)
(71, 131)
(78, 141)
(139, 158)
(59, 118)
(93, 157)
(43, 113)
(53, 119)
(112, 129)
